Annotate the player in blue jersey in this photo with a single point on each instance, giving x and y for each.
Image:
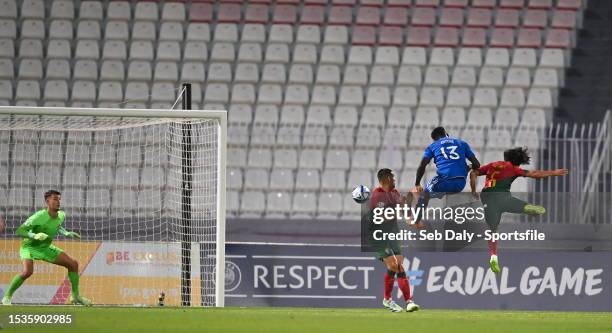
(449, 155)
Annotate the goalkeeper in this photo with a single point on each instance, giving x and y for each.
(38, 232)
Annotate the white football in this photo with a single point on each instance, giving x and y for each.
(361, 194)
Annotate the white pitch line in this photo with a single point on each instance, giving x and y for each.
(310, 257)
(314, 296)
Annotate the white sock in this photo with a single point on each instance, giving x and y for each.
(493, 257)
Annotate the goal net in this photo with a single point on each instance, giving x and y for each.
(144, 188)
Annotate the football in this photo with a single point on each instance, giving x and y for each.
(361, 194)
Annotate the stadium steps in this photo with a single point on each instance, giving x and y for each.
(588, 82)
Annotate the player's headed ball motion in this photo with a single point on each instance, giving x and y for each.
(361, 194)
(38, 232)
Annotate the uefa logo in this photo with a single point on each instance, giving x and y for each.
(233, 276)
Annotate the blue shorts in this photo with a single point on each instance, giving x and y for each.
(439, 186)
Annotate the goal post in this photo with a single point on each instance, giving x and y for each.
(121, 175)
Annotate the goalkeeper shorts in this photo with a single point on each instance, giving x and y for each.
(47, 253)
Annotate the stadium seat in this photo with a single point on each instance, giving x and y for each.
(540, 98)
(342, 137)
(414, 56)
(458, 96)
(340, 15)
(432, 96)
(355, 75)
(336, 34)
(27, 90)
(506, 118)
(533, 118)
(256, 179)
(309, 34)
(498, 139)
(524, 57)
(252, 204)
(196, 51)
(436, 76)
(474, 37)
(426, 117)
(529, 38)
(396, 17)
(502, 37)
(479, 17)
(281, 180)
(442, 56)
(382, 75)
(329, 205)
(464, 76)
(507, 18)
(355, 177)
(8, 29)
(368, 137)
(223, 52)
(491, 77)
(312, 15)
(535, 18)
(304, 205)
(278, 204)
(518, 77)
(452, 17)
(395, 137)
(419, 36)
(30, 69)
(475, 137)
(558, 38)
(62, 29)
(56, 90)
(405, 96)
(540, 4)
(399, 116)
(307, 179)
(20, 201)
(564, 19)
(281, 33)
(351, 95)
(512, 97)
(114, 50)
(390, 159)
(285, 158)
(569, 4)
(447, 37)
(485, 97)
(409, 75)
(546, 77)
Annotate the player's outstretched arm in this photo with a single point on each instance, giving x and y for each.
(475, 162)
(421, 172)
(537, 174)
(25, 231)
(473, 175)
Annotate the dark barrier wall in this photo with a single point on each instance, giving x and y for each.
(343, 276)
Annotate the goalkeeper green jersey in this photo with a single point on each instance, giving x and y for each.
(41, 221)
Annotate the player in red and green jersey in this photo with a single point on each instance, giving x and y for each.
(389, 251)
(496, 196)
(38, 232)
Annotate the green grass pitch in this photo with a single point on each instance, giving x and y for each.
(268, 320)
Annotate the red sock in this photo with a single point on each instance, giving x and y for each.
(492, 248)
(404, 285)
(389, 281)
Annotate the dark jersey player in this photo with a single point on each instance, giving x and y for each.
(389, 251)
(496, 196)
(449, 155)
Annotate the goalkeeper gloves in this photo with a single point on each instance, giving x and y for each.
(72, 234)
(41, 236)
